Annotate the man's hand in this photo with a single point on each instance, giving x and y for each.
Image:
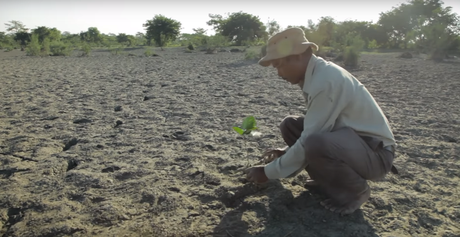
(256, 174)
(273, 154)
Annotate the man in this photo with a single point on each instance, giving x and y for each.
(343, 140)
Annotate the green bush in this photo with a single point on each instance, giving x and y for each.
(190, 46)
(352, 50)
(350, 56)
(86, 49)
(251, 55)
(59, 48)
(33, 49)
(46, 46)
(263, 51)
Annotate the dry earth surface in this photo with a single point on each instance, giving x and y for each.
(142, 146)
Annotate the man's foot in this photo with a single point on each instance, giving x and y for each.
(348, 207)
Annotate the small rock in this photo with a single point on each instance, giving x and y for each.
(174, 189)
(84, 120)
(193, 213)
(118, 108)
(72, 142)
(183, 159)
(180, 135)
(118, 123)
(210, 147)
(110, 169)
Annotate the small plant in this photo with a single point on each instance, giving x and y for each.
(249, 125)
(190, 47)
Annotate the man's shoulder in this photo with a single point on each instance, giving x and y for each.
(329, 77)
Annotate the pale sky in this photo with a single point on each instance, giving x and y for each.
(116, 16)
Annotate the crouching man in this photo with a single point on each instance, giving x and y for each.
(343, 140)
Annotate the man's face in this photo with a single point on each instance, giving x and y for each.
(289, 68)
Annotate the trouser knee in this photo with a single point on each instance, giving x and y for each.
(316, 147)
(291, 128)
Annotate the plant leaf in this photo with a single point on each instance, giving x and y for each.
(238, 130)
(249, 123)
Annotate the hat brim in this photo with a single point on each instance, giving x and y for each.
(267, 60)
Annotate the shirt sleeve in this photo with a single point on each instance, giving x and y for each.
(322, 112)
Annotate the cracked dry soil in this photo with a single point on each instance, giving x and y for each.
(143, 146)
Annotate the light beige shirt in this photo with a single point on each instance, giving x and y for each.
(335, 99)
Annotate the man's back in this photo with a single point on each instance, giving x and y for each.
(358, 109)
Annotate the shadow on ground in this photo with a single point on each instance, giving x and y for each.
(287, 215)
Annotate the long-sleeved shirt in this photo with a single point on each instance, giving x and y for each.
(335, 99)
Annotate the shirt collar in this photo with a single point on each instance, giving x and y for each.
(309, 72)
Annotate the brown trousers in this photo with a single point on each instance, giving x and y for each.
(340, 161)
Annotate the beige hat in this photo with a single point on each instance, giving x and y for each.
(291, 41)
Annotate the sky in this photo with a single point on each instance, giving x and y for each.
(128, 16)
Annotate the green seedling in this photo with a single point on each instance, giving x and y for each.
(249, 125)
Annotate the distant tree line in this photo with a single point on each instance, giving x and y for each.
(419, 25)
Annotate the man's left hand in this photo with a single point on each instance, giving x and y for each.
(256, 174)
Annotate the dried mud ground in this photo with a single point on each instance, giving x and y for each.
(142, 146)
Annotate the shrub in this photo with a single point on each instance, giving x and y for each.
(148, 52)
(60, 49)
(46, 46)
(352, 50)
(33, 49)
(263, 51)
(251, 55)
(190, 46)
(350, 57)
(86, 49)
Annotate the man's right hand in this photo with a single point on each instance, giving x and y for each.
(273, 154)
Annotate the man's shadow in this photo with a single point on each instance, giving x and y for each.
(286, 215)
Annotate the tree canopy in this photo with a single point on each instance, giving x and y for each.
(238, 27)
(162, 30)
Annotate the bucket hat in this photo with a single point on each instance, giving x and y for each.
(291, 41)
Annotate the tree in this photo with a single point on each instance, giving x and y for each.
(93, 35)
(199, 31)
(423, 24)
(325, 28)
(23, 38)
(239, 27)
(162, 30)
(272, 27)
(15, 27)
(122, 38)
(43, 32)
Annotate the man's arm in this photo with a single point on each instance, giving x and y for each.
(321, 116)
